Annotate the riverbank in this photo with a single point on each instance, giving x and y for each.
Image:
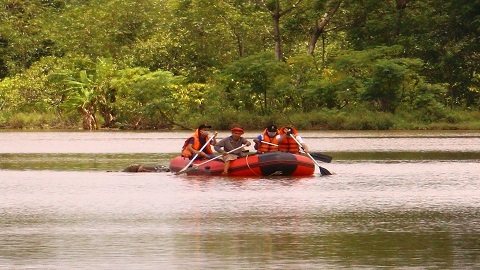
(320, 120)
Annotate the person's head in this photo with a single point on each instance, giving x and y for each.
(272, 131)
(204, 130)
(289, 130)
(237, 132)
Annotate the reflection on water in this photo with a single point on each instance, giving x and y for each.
(113, 162)
(414, 210)
(80, 162)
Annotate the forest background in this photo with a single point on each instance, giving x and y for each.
(173, 64)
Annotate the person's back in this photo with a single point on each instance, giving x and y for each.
(267, 141)
(286, 141)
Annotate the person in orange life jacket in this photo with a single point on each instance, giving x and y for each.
(195, 142)
(286, 143)
(265, 142)
(230, 143)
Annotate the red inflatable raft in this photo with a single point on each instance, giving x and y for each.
(274, 163)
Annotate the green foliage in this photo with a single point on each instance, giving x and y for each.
(170, 63)
(250, 83)
(147, 99)
(426, 99)
(31, 91)
(385, 85)
(10, 98)
(89, 92)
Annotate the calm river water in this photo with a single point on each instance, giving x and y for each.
(397, 200)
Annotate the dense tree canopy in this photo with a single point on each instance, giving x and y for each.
(175, 63)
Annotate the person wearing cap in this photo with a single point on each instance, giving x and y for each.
(286, 143)
(230, 143)
(196, 141)
(267, 141)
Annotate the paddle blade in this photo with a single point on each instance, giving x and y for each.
(322, 157)
(186, 169)
(324, 171)
(181, 171)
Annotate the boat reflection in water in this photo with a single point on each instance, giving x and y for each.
(268, 164)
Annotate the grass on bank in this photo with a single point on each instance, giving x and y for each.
(37, 121)
(319, 120)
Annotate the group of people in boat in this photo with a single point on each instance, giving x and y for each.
(199, 144)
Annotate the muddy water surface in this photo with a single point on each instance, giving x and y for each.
(404, 200)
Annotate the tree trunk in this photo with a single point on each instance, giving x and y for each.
(401, 6)
(276, 37)
(320, 27)
(276, 14)
(88, 119)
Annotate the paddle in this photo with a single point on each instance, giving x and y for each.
(322, 157)
(184, 170)
(274, 144)
(323, 171)
(196, 155)
(317, 156)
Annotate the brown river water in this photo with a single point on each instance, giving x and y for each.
(397, 200)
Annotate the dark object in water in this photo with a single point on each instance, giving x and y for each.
(146, 168)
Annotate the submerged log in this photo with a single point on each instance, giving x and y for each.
(145, 168)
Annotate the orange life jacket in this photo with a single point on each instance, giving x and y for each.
(265, 147)
(196, 145)
(288, 144)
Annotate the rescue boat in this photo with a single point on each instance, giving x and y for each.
(268, 164)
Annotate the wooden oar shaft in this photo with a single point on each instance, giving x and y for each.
(229, 152)
(269, 143)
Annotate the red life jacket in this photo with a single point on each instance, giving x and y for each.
(288, 144)
(196, 145)
(265, 147)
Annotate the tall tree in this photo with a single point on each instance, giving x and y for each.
(320, 25)
(23, 39)
(275, 10)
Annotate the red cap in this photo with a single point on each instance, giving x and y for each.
(237, 129)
